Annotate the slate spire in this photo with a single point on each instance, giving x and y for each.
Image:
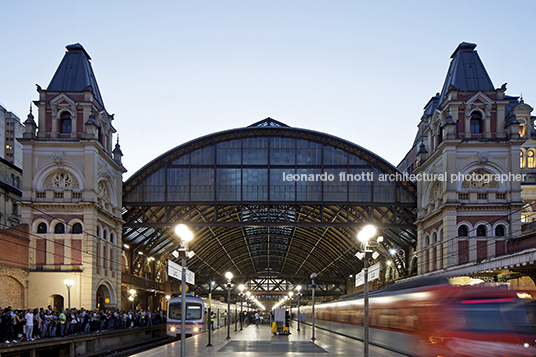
(75, 73)
(466, 72)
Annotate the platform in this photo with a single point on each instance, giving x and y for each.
(261, 342)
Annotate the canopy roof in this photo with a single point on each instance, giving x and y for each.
(258, 205)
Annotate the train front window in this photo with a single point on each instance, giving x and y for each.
(493, 316)
(193, 311)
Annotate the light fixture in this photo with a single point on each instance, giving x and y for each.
(366, 233)
(184, 233)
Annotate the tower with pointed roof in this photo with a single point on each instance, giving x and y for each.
(466, 161)
(71, 191)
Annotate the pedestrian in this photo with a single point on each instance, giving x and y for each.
(29, 317)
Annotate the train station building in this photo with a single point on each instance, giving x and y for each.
(269, 202)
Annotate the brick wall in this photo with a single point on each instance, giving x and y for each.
(15, 243)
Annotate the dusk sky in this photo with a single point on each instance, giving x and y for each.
(172, 71)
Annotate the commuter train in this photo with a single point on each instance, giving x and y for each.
(196, 319)
(419, 319)
(195, 316)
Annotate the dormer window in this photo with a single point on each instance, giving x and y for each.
(65, 123)
(476, 122)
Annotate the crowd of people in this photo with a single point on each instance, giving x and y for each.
(32, 324)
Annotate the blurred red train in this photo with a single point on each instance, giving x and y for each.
(437, 320)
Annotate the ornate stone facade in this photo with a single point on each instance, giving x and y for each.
(72, 191)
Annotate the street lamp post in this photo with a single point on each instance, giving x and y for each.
(248, 294)
(290, 295)
(210, 285)
(229, 276)
(298, 295)
(132, 296)
(313, 286)
(185, 235)
(241, 287)
(364, 236)
(69, 284)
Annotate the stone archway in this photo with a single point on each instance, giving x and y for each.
(57, 302)
(13, 292)
(103, 297)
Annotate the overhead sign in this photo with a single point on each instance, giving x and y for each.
(175, 271)
(373, 274)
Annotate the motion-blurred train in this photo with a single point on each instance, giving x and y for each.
(196, 319)
(419, 319)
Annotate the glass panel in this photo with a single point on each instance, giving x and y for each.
(384, 191)
(183, 160)
(229, 153)
(135, 195)
(308, 153)
(354, 160)
(359, 185)
(307, 187)
(193, 311)
(202, 187)
(228, 185)
(153, 186)
(282, 151)
(178, 184)
(334, 156)
(255, 185)
(405, 196)
(335, 188)
(203, 157)
(282, 189)
(255, 151)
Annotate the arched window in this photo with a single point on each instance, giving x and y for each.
(499, 231)
(427, 241)
(77, 228)
(105, 233)
(441, 235)
(59, 228)
(65, 122)
(481, 231)
(521, 158)
(521, 129)
(98, 231)
(42, 227)
(434, 237)
(476, 122)
(463, 231)
(112, 237)
(530, 159)
(12, 180)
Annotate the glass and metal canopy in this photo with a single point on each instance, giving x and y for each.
(266, 200)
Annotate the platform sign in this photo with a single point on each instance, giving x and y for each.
(373, 274)
(175, 271)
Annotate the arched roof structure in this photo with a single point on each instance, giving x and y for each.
(237, 191)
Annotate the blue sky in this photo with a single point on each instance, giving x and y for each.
(172, 71)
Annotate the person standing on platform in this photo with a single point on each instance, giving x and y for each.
(212, 316)
(29, 317)
(61, 322)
